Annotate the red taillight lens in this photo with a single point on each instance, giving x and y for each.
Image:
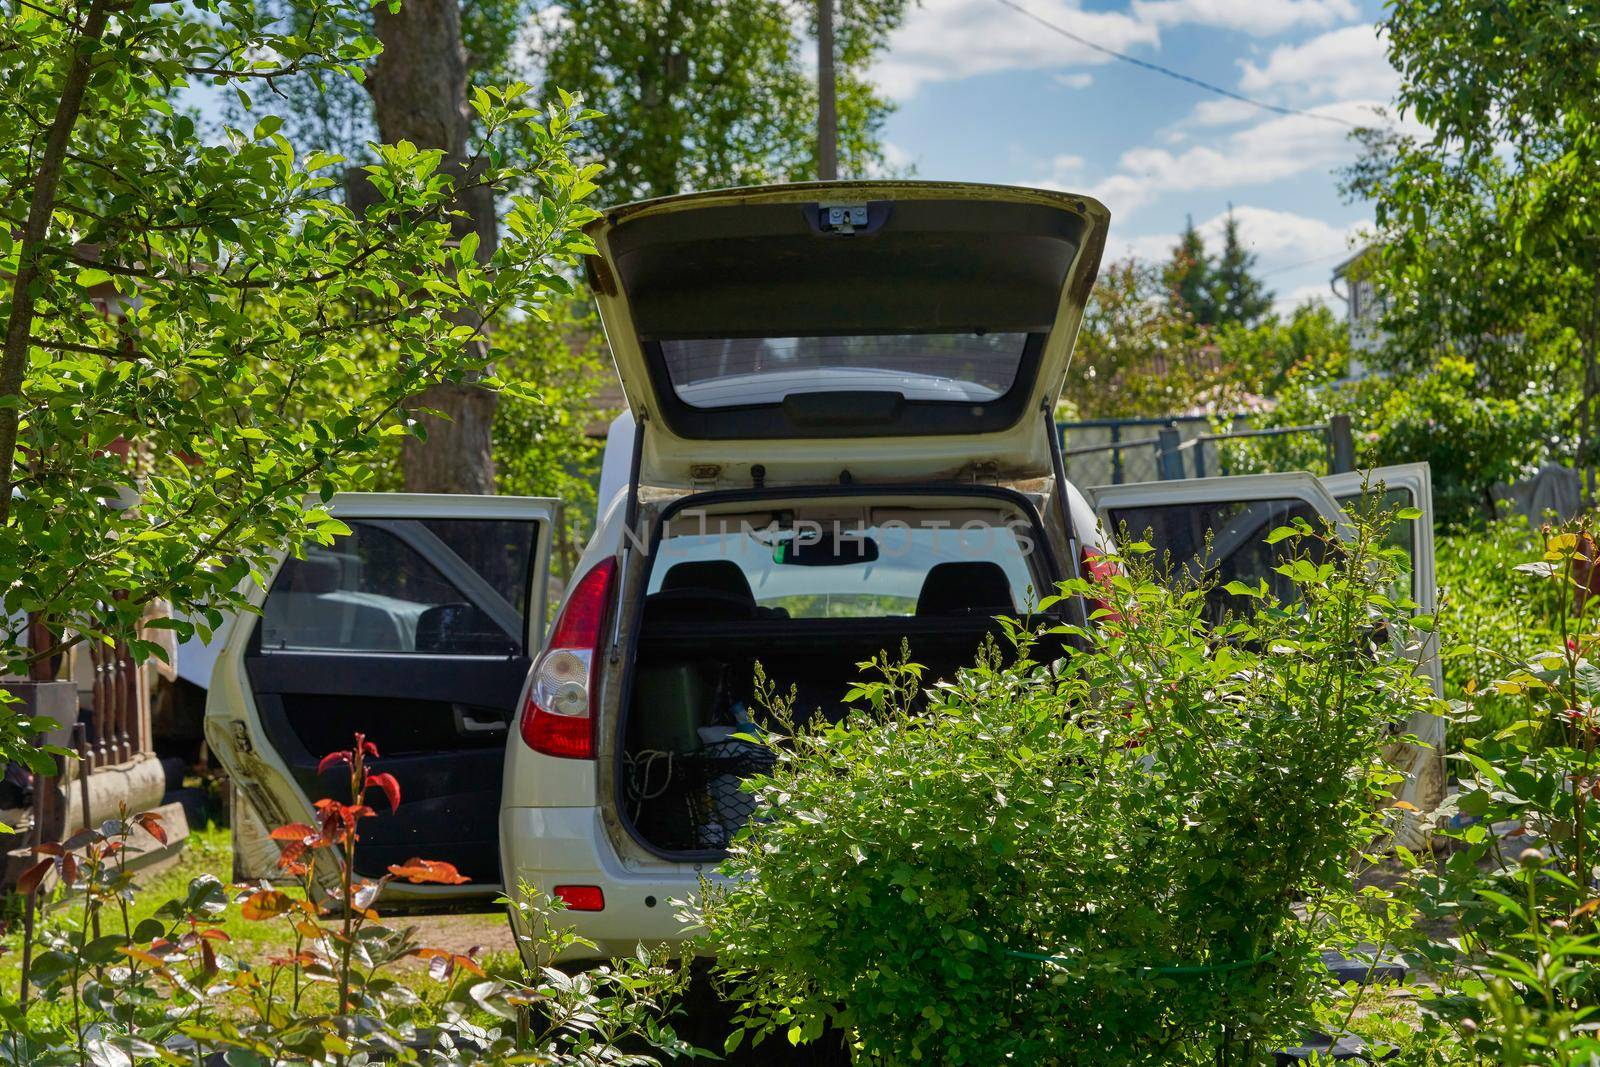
(581, 897)
(559, 717)
(1095, 567)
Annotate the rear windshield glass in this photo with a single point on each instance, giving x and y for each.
(975, 569)
(957, 367)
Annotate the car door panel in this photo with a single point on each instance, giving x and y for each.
(1217, 527)
(415, 629)
(1238, 512)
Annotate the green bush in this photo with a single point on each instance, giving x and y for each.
(1472, 440)
(1491, 617)
(1097, 860)
(101, 987)
(1510, 943)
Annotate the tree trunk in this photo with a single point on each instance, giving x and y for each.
(79, 64)
(419, 94)
(827, 104)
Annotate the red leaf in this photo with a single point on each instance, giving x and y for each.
(333, 759)
(33, 876)
(390, 787)
(435, 871)
(295, 831)
(289, 857)
(151, 822)
(266, 904)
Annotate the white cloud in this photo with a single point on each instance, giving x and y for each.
(1222, 112)
(1078, 80)
(1340, 64)
(946, 40)
(1063, 170)
(1279, 239)
(1281, 147)
(1261, 18)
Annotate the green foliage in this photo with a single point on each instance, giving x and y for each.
(1472, 440)
(1101, 860)
(112, 982)
(542, 442)
(1311, 345)
(1486, 224)
(1239, 296)
(227, 385)
(1493, 617)
(1513, 946)
(1188, 278)
(701, 94)
(1213, 290)
(1138, 354)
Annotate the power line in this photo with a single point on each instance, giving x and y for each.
(1169, 72)
(1304, 263)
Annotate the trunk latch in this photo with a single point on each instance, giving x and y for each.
(841, 218)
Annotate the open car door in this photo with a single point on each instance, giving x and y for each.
(1378, 492)
(415, 629)
(1218, 526)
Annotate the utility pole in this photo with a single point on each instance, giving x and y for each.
(827, 102)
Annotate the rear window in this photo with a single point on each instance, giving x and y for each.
(973, 367)
(975, 568)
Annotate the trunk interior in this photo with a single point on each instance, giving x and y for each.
(709, 622)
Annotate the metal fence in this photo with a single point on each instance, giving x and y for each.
(1115, 451)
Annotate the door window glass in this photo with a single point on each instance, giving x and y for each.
(1224, 541)
(453, 586)
(1401, 534)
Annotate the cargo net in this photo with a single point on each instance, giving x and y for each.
(693, 801)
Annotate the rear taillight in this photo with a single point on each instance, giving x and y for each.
(581, 897)
(559, 717)
(1097, 568)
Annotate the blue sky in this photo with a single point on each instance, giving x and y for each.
(986, 94)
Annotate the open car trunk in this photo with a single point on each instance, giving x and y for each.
(728, 636)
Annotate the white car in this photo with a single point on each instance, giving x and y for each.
(844, 397)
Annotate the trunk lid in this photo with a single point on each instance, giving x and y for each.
(845, 331)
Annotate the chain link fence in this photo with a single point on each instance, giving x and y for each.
(1117, 451)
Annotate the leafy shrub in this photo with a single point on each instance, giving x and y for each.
(1511, 904)
(1492, 617)
(1470, 438)
(1096, 860)
(170, 990)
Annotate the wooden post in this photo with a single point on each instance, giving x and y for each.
(827, 100)
(1169, 461)
(1341, 445)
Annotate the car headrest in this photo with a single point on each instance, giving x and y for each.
(317, 573)
(978, 587)
(708, 575)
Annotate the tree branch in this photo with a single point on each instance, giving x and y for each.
(19, 328)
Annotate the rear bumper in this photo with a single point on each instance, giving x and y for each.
(546, 847)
